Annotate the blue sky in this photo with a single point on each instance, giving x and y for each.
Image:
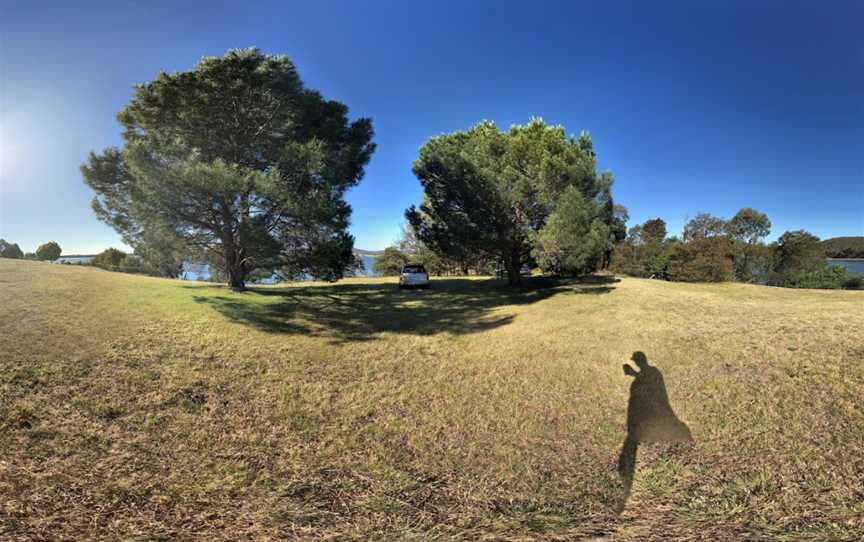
(694, 106)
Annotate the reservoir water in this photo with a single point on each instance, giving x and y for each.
(854, 266)
(193, 271)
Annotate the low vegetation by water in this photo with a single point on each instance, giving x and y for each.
(140, 408)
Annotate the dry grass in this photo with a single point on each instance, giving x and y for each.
(139, 408)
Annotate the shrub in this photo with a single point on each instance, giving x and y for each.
(109, 259)
(854, 282)
(689, 263)
(825, 278)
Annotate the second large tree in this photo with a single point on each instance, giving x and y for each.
(241, 163)
(492, 192)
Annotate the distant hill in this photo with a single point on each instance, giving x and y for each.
(844, 247)
(373, 253)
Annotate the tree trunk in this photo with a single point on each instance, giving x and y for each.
(236, 271)
(513, 265)
(236, 280)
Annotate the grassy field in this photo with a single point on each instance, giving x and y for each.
(134, 408)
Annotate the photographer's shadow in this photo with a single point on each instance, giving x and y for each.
(650, 419)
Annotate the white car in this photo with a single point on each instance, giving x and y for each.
(413, 276)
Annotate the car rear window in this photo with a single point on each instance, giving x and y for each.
(413, 269)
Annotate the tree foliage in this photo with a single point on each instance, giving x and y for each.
(109, 259)
(796, 253)
(161, 252)
(49, 251)
(749, 226)
(644, 252)
(441, 264)
(704, 253)
(747, 229)
(490, 193)
(10, 250)
(237, 160)
(653, 231)
(390, 262)
(575, 236)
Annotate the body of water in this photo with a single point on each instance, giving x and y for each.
(855, 267)
(75, 260)
(368, 262)
(200, 271)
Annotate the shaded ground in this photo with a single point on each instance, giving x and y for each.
(354, 312)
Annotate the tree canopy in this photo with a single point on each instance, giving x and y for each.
(705, 252)
(491, 192)
(239, 162)
(749, 225)
(798, 251)
(747, 229)
(10, 250)
(49, 251)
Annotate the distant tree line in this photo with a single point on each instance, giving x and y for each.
(712, 249)
(49, 251)
(844, 247)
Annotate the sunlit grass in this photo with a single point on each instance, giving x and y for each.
(134, 406)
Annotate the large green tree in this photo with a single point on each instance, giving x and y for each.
(239, 161)
(10, 250)
(49, 251)
(488, 192)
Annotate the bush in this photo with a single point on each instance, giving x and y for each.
(854, 282)
(644, 252)
(826, 278)
(753, 263)
(109, 259)
(705, 253)
(689, 264)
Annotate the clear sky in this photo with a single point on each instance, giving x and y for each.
(694, 106)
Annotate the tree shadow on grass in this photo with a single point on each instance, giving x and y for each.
(356, 312)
